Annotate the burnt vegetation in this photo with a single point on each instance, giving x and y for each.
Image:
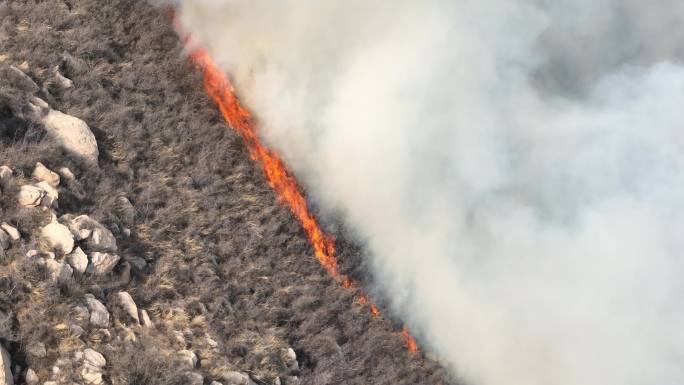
(229, 274)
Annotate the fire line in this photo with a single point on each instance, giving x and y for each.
(221, 91)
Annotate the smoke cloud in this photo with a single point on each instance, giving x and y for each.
(514, 167)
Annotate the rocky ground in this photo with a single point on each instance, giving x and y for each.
(138, 242)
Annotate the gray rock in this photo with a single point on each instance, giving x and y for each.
(93, 360)
(81, 313)
(17, 77)
(125, 210)
(5, 368)
(80, 226)
(44, 174)
(78, 260)
(98, 237)
(128, 305)
(92, 377)
(36, 349)
(99, 316)
(11, 231)
(187, 359)
(5, 240)
(235, 378)
(59, 271)
(193, 378)
(58, 237)
(30, 196)
(70, 132)
(137, 262)
(31, 377)
(290, 359)
(103, 263)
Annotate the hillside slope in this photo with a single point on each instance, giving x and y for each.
(223, 271)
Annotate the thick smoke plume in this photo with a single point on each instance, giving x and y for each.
(514, 167)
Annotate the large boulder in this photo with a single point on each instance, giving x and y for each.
(70, 132)
(127, 303)
(5, 368)
(93, 365)
(98, 237)
(59, 270)
(44, 174)
(103, 263)
(30, 196)
(99, 316)
(78, 260)
(236, 378)
(58, 237)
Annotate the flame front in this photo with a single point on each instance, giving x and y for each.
(219, 88)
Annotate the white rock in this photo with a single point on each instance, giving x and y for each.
(145, 318)
(5, 240)
(58, 237)
(290, 359)
(80, 226)
(50, 382)
(59, 271)
(187, 359)
(31, 377)
(11, 231)
(128, 305)
(5, 173)
(67, 174)
(92, 377)
(93, 360)
(235, 378)
(78, 260)
(98, 237)
(101, 239)
(103, 263)
(30, 196)
(61, 81)
(68, 131)
(99, 316)
(5, 368)
(51, 194)
(215, 383)
(42, 173)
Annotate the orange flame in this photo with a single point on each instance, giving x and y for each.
(411, 344)
(219, 88)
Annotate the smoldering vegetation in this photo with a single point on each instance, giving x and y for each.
(229, 273)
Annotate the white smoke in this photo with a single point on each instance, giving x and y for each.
(515, 167)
